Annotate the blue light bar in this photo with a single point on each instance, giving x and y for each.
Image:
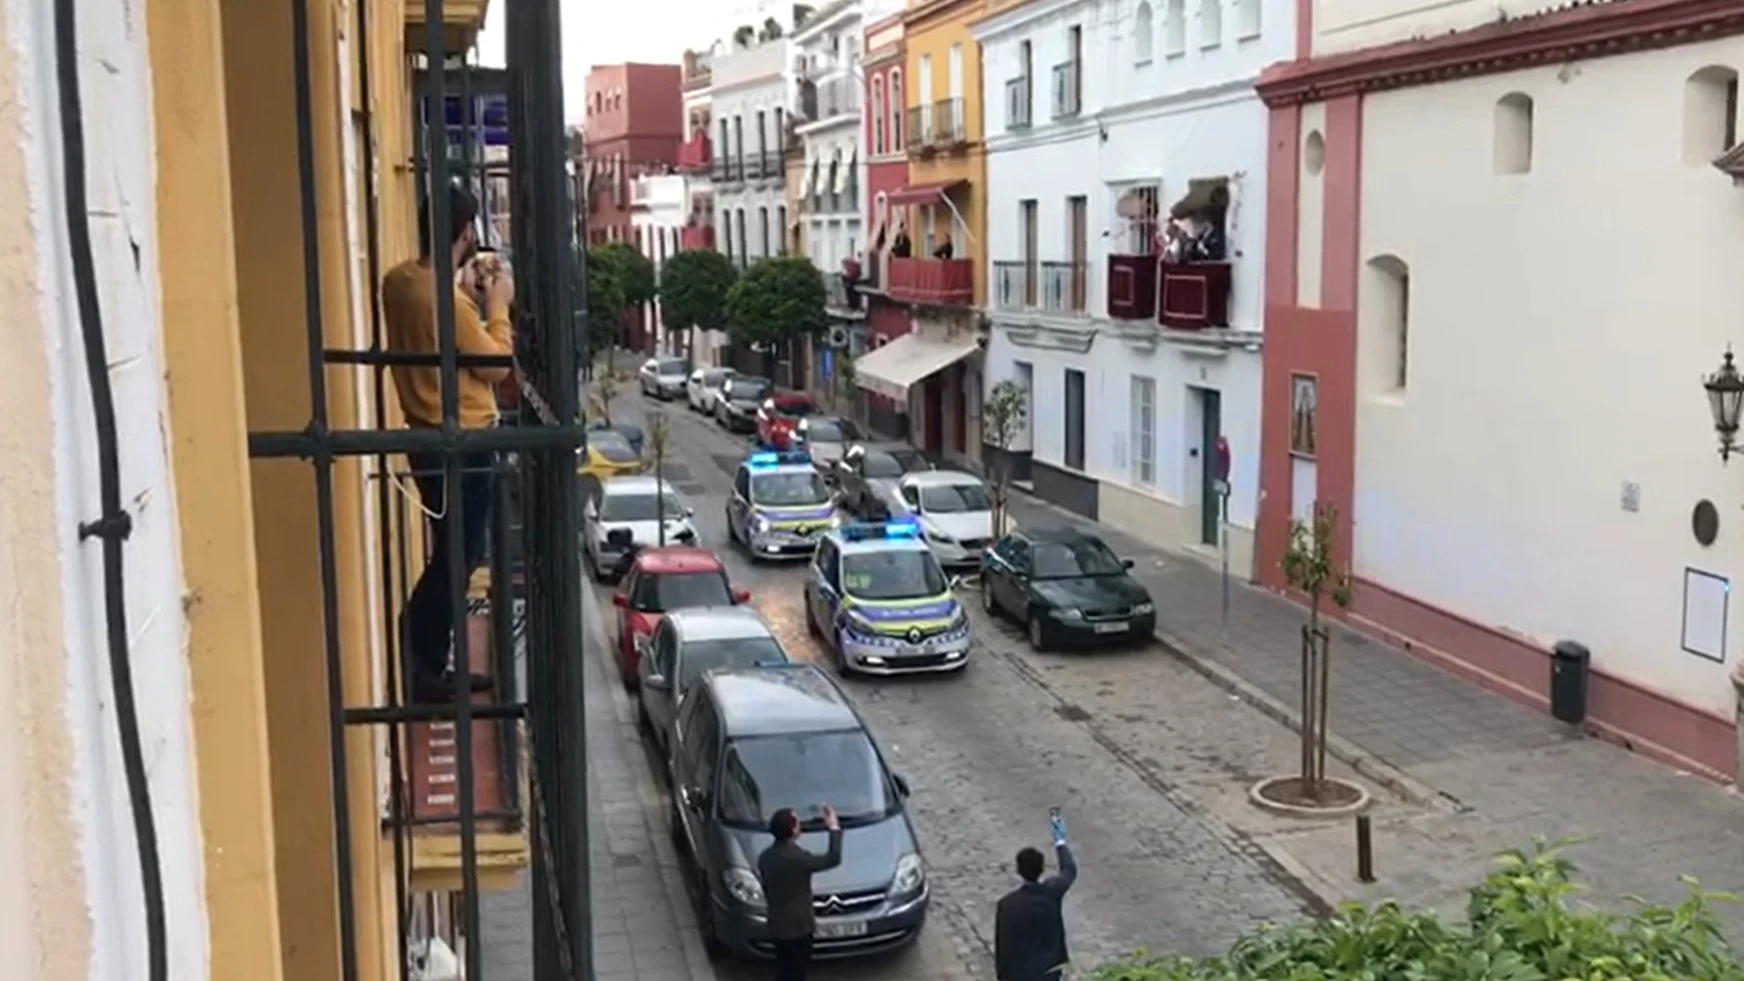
(861, 531)
(771, 458)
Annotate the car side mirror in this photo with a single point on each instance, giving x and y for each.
(1126, 563)
(741, 596)
(901, 784)
(658, 682)
(689, 511)
(619, 599)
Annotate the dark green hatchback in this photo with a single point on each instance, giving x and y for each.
(1067, 588)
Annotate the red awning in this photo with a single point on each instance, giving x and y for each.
(923, 193)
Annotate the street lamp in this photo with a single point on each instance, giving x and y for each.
(1725, 399)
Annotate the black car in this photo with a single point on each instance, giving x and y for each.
(748, 741)
(1067, 588)
(740, 399)
(867, 474)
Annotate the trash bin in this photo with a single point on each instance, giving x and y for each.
(1568, 681)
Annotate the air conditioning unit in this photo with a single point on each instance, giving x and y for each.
(839, 337)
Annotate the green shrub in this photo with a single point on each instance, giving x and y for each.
(1520, 926)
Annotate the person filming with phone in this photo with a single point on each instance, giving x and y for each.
(1029, 931)
(785, 869)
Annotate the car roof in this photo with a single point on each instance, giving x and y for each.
(791, 398)
(891, 447)
(1059, 535)
(877, 544)
(634, 484)
(753, 378)
(773, 701)
(718, 623)
(677, 559)
(940, 478)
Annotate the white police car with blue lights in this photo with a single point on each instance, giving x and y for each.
(780, 505)
(878, 596)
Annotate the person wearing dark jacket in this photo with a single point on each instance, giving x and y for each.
(1029, 933)
(785, 869)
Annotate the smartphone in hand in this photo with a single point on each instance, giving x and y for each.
(1058, 823)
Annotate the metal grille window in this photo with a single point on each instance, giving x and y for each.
(1137, 208)
(515, 761)
(1144, 429)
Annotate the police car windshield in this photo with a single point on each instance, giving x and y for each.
(790, 488)
(892, 575)
(762, 774)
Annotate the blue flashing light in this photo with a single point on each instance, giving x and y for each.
(867, 530)
(770, 458)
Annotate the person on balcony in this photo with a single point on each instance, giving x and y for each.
(408, 296)
(945, 249)
(902, 248)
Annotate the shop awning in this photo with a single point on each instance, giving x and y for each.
(892, 369)
(923, 193)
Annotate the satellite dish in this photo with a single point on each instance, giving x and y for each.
(838, 336)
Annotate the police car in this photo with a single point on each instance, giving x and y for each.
(780, 505)
(877, 595)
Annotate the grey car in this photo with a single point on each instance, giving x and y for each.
(741, 397)
(664, 378)
(867, 475)
(751, 741)
(825, 438)
(688, 643)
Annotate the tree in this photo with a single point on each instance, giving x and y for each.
(693, 289)
(631, 276)
(1310, 566)
(1003, 413)
(776, 302)
(659, 435)
(605, 301)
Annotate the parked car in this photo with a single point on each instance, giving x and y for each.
(750, 741)
(736, 409)
(631, 432)
(691, 642)
(635, 507)
(703, 389)
(660, 580)
(867, 475)
(1068, 589)
(955, 511)
(606, 455)
(825, 438)
(663, 378)
(778, 416)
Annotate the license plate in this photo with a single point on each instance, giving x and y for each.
(836, 931)
(1111, 628)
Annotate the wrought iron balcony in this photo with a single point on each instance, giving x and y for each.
(1068, 99)
(920, 130)
(942, 282)
(1194, 295)
(1014, 285)
(1065, 288)
(948, 121)
(724, 171)
(1018, 96)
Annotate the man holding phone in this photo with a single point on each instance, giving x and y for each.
(785, 869)
(1029, 930)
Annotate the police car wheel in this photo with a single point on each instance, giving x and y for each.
(843, 667)
(811, 626)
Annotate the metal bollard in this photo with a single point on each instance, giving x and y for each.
(1365, 850)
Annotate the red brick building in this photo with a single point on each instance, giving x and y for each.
(634, 126)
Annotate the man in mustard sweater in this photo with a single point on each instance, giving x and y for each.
(409, 309)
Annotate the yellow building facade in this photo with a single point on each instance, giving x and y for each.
(943, 92)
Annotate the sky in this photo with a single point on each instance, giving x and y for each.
(604, 32)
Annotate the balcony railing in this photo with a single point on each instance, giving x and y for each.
(827, 99)
(1067, 97)
(920, 129)
(948, 121)
(1017, 102)
(839, 294)
(1194, 295)
(1132, 287)
(1014, 285)
(944, 282)
(1065, 288)
(694, 154)
(697, 236)
(753, 166)
(724, 171)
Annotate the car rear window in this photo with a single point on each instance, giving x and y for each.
(794, 408)
(672, 366)
(716, 378)
(611, 445)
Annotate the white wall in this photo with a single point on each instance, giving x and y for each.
(120, 181)
(746, 100)
(1342, 25)
(1560, 321)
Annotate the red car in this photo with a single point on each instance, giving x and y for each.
(664, 579)
(779, 415)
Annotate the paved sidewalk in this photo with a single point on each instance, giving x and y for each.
(1488, 772)
(644, 928)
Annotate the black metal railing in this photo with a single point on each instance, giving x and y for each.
(1014, 285)
(1065, 288)
(721, 169)
(920, 127)
(529, 465)
(948, 121)
(1017, 102)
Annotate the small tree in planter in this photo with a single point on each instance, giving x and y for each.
(1003, 412)
(1310, 566)
(659, 435)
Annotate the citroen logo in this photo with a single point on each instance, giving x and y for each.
(914, 635)
(832, 906)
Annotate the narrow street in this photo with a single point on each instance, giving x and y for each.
(1149, 761)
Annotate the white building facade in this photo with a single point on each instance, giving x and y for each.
(659, 213)
(827, 120)
(749, 94)
(1496, 382)
(1103, 118)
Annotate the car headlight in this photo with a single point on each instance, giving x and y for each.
(760, 525)
(1072, 614)
(1144, 609)
(934, 534)
(835, 521)
(910, 876)
(743, 886)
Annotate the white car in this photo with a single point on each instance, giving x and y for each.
(955, 512)
(627, 514)
(663, 378)
(703, 389)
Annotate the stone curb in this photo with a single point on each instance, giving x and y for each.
(1370, 766)
(696, 960)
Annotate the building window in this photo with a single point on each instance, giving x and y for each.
(877, 114)
(1144, 429)
(739, 141)
(1314, 153)
(1710, 114)
(744, 252)
(1175, 27)
(1210, 23)
(781, 225)
(726, 226)
(1136, 210)
(762, 135)
(1513, 138)
(1142, 31)
(780, 134)
(896, 109)
(1074, 419)
(763, 226)
(1387, 323)
(1247, 19)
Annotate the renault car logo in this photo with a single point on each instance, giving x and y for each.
(914, 635)
(832, 906)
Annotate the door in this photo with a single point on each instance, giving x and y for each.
(661, 658)
(1078, 221)
(935, 415)
(1211, 427)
